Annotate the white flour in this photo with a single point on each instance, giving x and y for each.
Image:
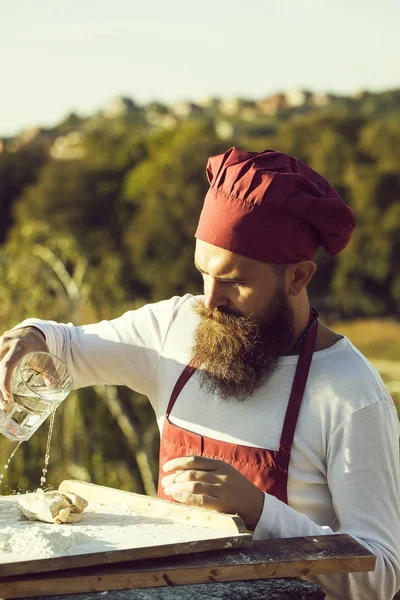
(103, 528)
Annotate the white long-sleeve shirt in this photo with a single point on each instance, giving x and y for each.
(344, 469)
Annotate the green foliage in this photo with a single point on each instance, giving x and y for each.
(17, 170)
(163, 197)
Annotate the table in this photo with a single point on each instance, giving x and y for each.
(250, 569)
(268, 589)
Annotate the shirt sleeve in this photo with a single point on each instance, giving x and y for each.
(363, 477)
(123, 351)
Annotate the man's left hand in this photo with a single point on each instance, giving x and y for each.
(215, 484)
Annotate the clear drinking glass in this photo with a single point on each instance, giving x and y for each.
(39, 384)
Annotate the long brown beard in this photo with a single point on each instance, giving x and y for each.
(239, 355)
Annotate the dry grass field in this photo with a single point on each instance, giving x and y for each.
(379, 341)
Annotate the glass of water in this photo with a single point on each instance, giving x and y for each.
(39, 384)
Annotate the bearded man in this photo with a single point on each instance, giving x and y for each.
(263, 410)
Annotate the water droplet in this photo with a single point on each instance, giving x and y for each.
(47, 453)
(9, 460)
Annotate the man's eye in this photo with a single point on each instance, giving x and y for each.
(237, 284)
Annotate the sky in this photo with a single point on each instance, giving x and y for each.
(57, 57)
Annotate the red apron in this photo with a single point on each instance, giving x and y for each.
(267, 469)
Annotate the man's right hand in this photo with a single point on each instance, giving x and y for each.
(14, 345)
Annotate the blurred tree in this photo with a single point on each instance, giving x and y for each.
(366, 279)
(71, 122)
(163, 197)
(380, 141)
(42, 274)
(81, 199)
(17, 170)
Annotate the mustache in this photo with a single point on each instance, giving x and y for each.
(219, 315)
(226, 329)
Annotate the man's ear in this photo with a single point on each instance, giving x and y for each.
(300, 275)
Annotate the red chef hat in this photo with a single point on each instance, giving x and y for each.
(271, 207)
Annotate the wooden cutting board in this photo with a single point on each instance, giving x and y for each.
(292, 557)
(188, 529)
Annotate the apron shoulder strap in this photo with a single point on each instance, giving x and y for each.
(184, 377)
(296, 395)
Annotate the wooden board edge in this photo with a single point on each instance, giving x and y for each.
(120, 581)
(108, 558)
(155, 506)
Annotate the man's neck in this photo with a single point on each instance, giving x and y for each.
(325, 337)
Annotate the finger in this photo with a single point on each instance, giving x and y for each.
(45, 367)
(4, 345)
(191, 462)
(192, 475)
(196, 488)
(200, 488)
(4, 403)
(8, 363)
(204, 501)
(7, 367)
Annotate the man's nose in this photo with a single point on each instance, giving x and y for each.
(214, 293)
